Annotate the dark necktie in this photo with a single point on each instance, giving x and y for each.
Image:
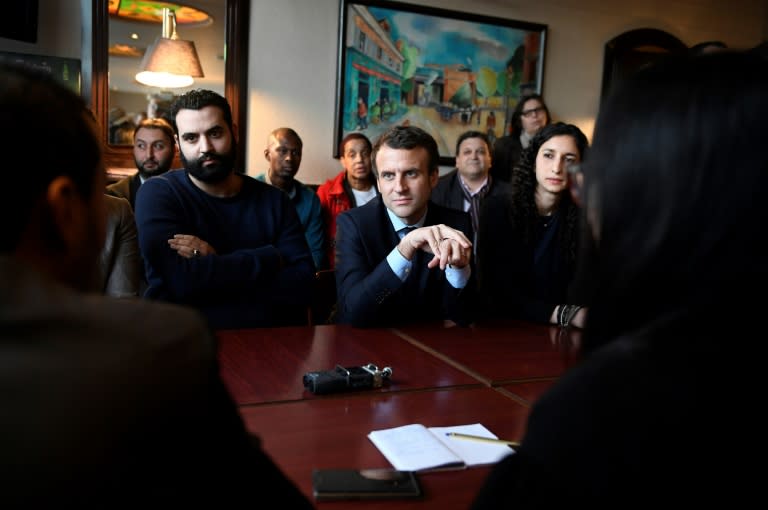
(474, 202)
(404, 231)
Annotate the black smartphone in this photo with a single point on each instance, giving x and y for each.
(333, 484)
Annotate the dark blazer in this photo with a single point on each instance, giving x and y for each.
(448, 191)
(371, 294)
(506, 153)
(126, 188)
(117, 403)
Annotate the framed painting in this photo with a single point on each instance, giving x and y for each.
(444, 71)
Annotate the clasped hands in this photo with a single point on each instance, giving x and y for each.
(448, 245)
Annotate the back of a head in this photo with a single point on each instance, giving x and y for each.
(673, 181)
(706, 47)
(52, 128)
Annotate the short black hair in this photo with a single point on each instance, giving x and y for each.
(196, 100)
(472, 134)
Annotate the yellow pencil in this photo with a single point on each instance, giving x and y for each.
(482, 439)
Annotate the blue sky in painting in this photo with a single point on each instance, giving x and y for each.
(448, 41)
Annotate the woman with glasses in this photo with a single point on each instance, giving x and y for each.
(530, 115)
(528, 242)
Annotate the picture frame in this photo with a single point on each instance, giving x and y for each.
(442, 70)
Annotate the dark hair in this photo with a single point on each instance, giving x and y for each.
(472, 134)
(675, 187)
(517, 123)
(408, 137)
(524, 211)
(354, 136)
(196, 100)
(155, 123)
(37, 112)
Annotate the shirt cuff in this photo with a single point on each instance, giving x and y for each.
(458, 278)
(400, 265)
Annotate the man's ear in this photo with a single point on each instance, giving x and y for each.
(67, 208)
(266, 154)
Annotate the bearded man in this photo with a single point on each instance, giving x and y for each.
(217, 239)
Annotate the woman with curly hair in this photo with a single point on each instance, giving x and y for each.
(527, 246)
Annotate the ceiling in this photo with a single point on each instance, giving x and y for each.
(209, 42)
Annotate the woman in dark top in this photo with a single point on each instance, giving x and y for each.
(527, 246)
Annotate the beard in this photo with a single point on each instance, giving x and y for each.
(222, 166)
(162, 167)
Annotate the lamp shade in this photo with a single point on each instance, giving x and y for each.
(170, 62)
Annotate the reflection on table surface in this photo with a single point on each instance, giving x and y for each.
(500, 351)
(267, 364)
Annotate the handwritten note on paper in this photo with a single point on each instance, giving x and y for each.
(418, 448)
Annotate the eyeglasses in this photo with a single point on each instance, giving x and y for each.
(532, 111)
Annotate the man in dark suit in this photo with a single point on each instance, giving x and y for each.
(106, 403)
(401, 258)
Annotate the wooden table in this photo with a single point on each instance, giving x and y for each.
(332, 433)
(489, 374)
(526, 393)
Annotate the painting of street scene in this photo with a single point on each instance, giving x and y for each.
(444, 71)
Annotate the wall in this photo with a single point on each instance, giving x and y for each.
(293, 51)
(294, 45)
(58, 31)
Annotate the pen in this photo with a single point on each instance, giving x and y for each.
(482, 439)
